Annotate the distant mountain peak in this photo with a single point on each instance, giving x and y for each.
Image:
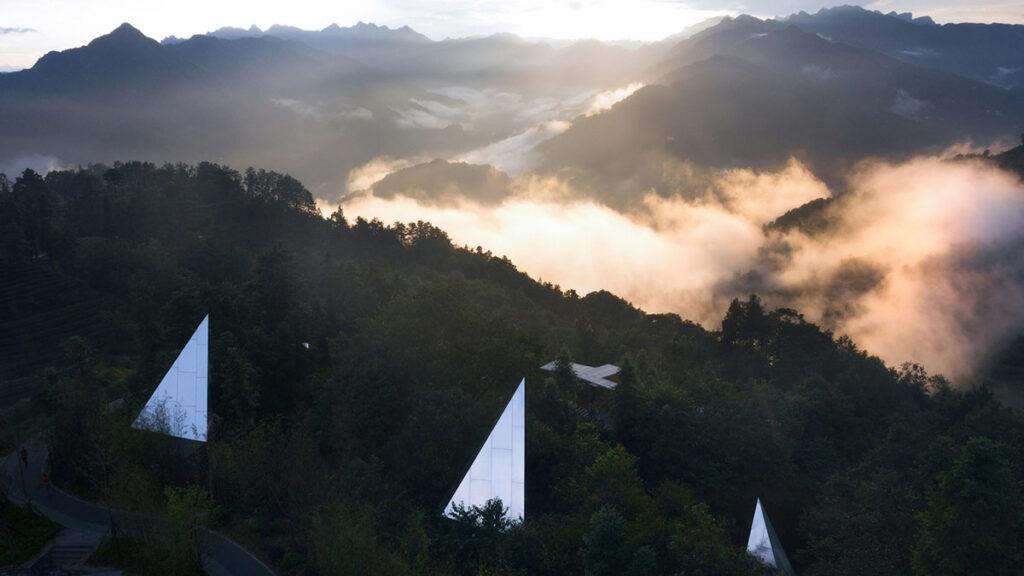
(283, 29)
(860, 11)
(844, 8)
(747, 19)
(507, 37)
(125, 34)
(126, 30)
(332, 33)
(233, 33)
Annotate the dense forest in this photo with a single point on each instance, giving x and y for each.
(356, 366)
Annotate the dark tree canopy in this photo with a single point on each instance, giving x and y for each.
(358, 365)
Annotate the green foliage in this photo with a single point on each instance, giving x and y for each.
(337, 456)
(604, 550)
(698, 546)
(479, 538)
(188, 514)
(345, 542)
(136, 556)
(607, 548)
(22, 534)
(974, 519)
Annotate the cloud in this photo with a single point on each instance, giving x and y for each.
(41, 163)
(920, 261)
(357, 113)
(605, 100)
(515, 153)
(547, 117)
(429, 115)
(365, 176)
(457, 106)
(299, 107)
(9, 30)
(906, 105)
(665, 257)
(943, 238)
(318, 112)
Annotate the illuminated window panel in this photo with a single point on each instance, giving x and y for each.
(178, 407)
(499, 470)
(764, 545)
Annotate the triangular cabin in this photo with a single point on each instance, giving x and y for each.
(764, 545)
(499, 470)
(178, 407)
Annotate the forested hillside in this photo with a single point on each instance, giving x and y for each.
(355, 368)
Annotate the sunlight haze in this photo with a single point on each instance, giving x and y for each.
(29, 29)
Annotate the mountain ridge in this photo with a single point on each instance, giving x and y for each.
(986, 52)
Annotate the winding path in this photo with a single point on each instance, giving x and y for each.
(222, 556)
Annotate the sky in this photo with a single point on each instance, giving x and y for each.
(30, 28)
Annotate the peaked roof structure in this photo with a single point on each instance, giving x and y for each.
(594, 375)
(764, 545)
(499, 470)
(178, 407)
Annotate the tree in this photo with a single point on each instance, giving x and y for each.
(563, 376)
(34, 209)
(476, 537)
(604, 550)
(12, 237)
(612, 478)
(273, 187)
(235, 378)
(345, 542)
(746, 325)
(338, 221)
(698, 547)
(188, 512)
(974, 520)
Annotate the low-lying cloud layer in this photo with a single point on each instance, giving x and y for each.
(40, 163)
(918, 261)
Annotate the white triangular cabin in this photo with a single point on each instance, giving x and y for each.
(178, 407)
(499, 470)
(764, 545)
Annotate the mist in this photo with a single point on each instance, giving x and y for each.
(915, 261)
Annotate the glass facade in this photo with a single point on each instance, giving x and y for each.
(764, 545)
(499, 470)
(178, 406)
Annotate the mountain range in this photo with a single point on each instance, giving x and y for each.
(751, 92)
(986, 52)
(830, 88)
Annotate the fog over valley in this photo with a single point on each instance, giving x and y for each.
(798, 158)
(518, 288)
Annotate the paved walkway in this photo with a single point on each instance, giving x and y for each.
(69, 549)
(221, 555)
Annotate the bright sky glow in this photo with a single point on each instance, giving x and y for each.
(30, 28)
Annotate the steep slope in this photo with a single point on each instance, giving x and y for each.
(415, 345)
(127, 95)
(124, 59)
(969, 108)
(750, 92)
(986, 52)
(726, 112)
(126, 62)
